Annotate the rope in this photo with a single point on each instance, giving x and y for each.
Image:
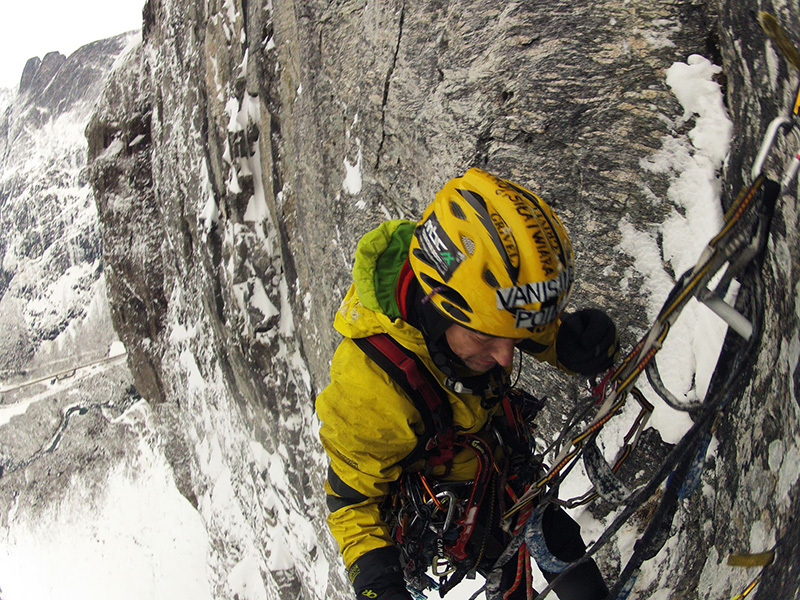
(684, 464)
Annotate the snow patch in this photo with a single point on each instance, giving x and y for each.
(116, 348)
(113, 149)
(352, 180)
(84, 547)
(241, 115)
(195, 379)
(209, 211)
(13, 410)
(689, 356)
(693, 85)
(280, 556)
(245, 580)
(261, 302)
(181, 333)
(133, 41)
(286, 326)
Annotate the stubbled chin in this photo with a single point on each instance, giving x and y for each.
(479, 367)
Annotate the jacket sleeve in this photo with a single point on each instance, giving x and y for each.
(368, 427)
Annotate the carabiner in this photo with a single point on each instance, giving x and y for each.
(449, 499)
(441, 562)
(769, 141)
(451, 509)
(790, 170)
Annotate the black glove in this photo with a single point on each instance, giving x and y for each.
(378, 575)
(587, 342)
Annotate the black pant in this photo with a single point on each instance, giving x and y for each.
(563, 538)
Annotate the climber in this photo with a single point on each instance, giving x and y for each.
(488, 269)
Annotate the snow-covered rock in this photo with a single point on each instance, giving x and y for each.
(275, 135)
(236, 157)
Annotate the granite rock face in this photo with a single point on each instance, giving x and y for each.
(757, 475)
(245, 147)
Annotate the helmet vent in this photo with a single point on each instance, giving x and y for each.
(429, 281)
(457, 211)
(445, 292)
(418, 253)
(455, 312)
(468, 244)
(455, 298)
(490, 279)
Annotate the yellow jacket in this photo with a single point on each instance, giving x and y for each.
(369, 424)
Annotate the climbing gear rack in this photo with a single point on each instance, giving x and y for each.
(736, 252)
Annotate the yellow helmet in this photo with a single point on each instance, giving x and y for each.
(492, 257)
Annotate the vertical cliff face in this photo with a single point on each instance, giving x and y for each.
(246, 146)
(204, 290)
(758, 471)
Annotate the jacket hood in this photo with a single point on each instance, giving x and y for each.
(380, 255)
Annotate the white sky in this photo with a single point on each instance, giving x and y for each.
(31, 28)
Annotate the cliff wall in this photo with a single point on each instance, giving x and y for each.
(246, 146)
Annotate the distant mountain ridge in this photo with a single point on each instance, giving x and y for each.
(50, 250)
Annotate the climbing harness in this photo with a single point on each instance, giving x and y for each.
(433, 522)
(408, 371)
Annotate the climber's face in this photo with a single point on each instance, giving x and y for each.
(480, 352)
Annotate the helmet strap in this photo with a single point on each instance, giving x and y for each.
(490, 386)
